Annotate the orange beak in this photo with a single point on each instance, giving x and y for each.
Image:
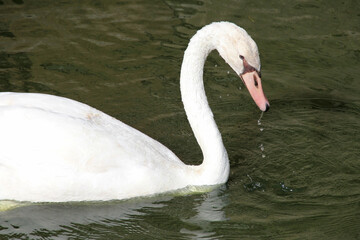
(253, 83)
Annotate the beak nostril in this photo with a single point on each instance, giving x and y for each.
(255, 82)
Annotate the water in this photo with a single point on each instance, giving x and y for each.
(297, 178)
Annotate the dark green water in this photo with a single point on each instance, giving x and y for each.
(295, 176)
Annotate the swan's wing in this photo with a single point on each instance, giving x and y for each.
(53, 129)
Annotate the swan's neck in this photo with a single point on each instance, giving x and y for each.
(215, 166)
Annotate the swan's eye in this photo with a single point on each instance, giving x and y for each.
(259, 73)
(255, 81)
(241, 57)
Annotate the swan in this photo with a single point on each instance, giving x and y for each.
(54, 149)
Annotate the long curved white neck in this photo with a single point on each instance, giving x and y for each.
(215, 166)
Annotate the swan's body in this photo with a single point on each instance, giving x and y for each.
(56, 149)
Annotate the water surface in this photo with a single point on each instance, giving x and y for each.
(293, 176)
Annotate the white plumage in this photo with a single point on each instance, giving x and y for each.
(55, 149)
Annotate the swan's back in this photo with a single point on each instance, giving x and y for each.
(54, 141)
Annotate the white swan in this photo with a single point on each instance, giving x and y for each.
(54, 149)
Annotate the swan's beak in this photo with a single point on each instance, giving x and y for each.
(253, 83)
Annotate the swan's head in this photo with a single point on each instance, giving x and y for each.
(240, 51)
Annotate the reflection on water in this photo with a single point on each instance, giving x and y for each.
(295, 176)
(207, 211)
(57, 221)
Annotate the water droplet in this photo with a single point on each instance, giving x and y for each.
(285, 188)
(240, 88)
(215, 65)
(261, 129)
(262, 147)
(259, 121)
(263, 156)
(228, 72)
